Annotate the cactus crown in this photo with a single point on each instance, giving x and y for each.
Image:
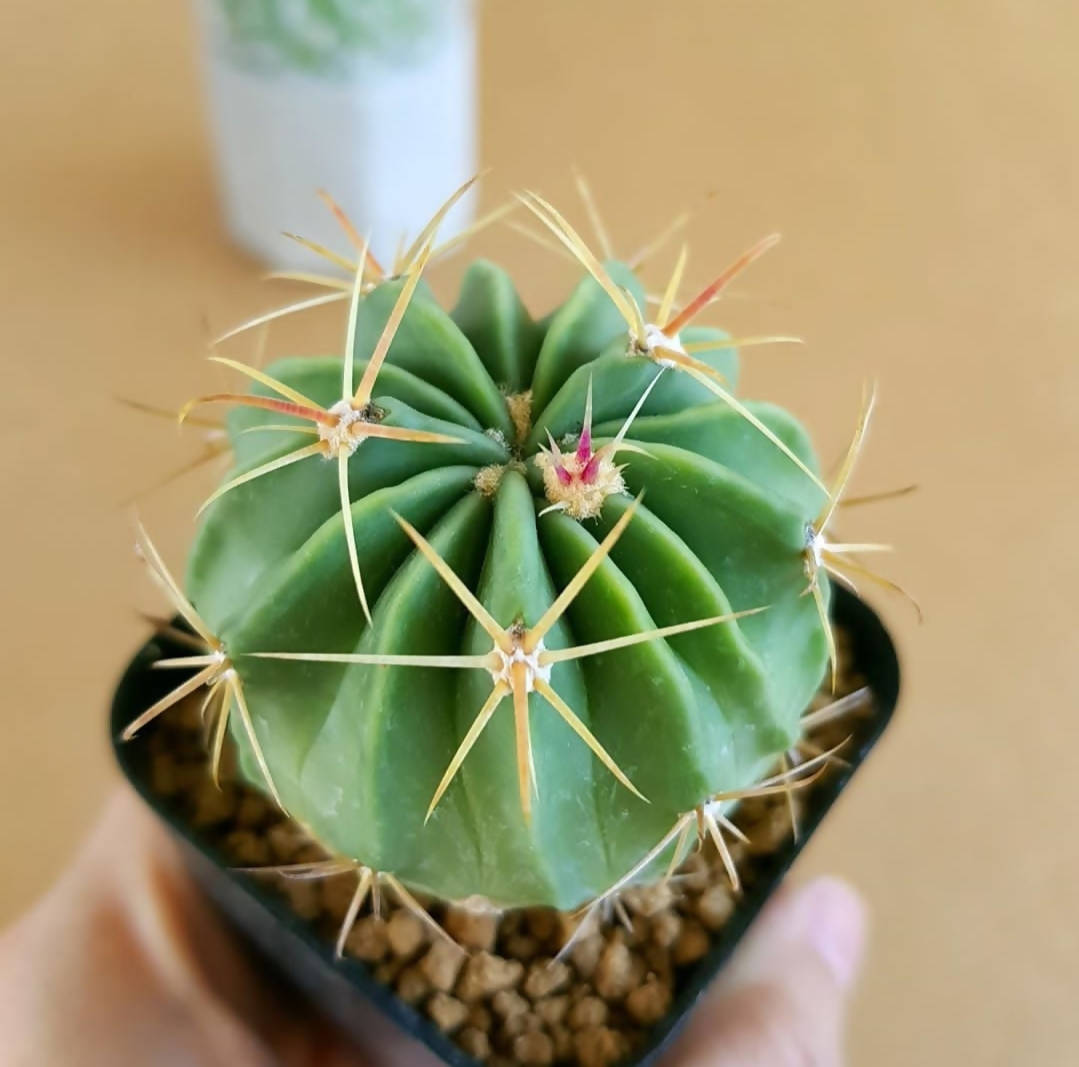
(501, 607)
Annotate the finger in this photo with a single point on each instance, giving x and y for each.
(123, 955)
(781, 1001)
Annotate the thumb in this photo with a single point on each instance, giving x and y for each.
(781, 1001)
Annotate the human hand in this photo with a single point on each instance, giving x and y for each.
(124, 963)
(781, 1000)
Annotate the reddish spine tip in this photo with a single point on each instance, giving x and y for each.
(710, 292)
(591, 469)
(268, 403)
(564, 475)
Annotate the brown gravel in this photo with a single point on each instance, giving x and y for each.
(770, 831)
(534, 1047)
(649, 900)
(442, 964)
(479, 1016)
(693, 942)
(475, 1042)
(472, 930)
(665, 929)
(552, 1010)
(520, 947)
(213, 806)
(585, 955)
(499, 991)
(507, 1003)
(614, 972)
(545, 924)
(695, 873)
(254, 812)
(587, 1013)
(286, 841)
(524, 1022)
(448, 1012)
(599, 1046)
(648, 1003)
(412, 985)
(715, 906)
(563, 1043)
(386, 972)
(336, 894)
(484, 975)
(547, 976)
(405, 933)
(368, 941)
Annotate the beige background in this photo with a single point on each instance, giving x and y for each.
(921, 161)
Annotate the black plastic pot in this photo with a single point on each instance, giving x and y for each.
(344, 990)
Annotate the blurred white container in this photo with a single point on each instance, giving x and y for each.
(371, 100)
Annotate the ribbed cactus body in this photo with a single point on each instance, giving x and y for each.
(356, 751)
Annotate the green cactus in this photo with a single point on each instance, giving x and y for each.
(499, 607)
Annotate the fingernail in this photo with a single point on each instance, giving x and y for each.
(835, 927)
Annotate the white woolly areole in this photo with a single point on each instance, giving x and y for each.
(339, 436)
(533, 668)
(718, 809)
(655, 338)
(224, 671)
(815, 545)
